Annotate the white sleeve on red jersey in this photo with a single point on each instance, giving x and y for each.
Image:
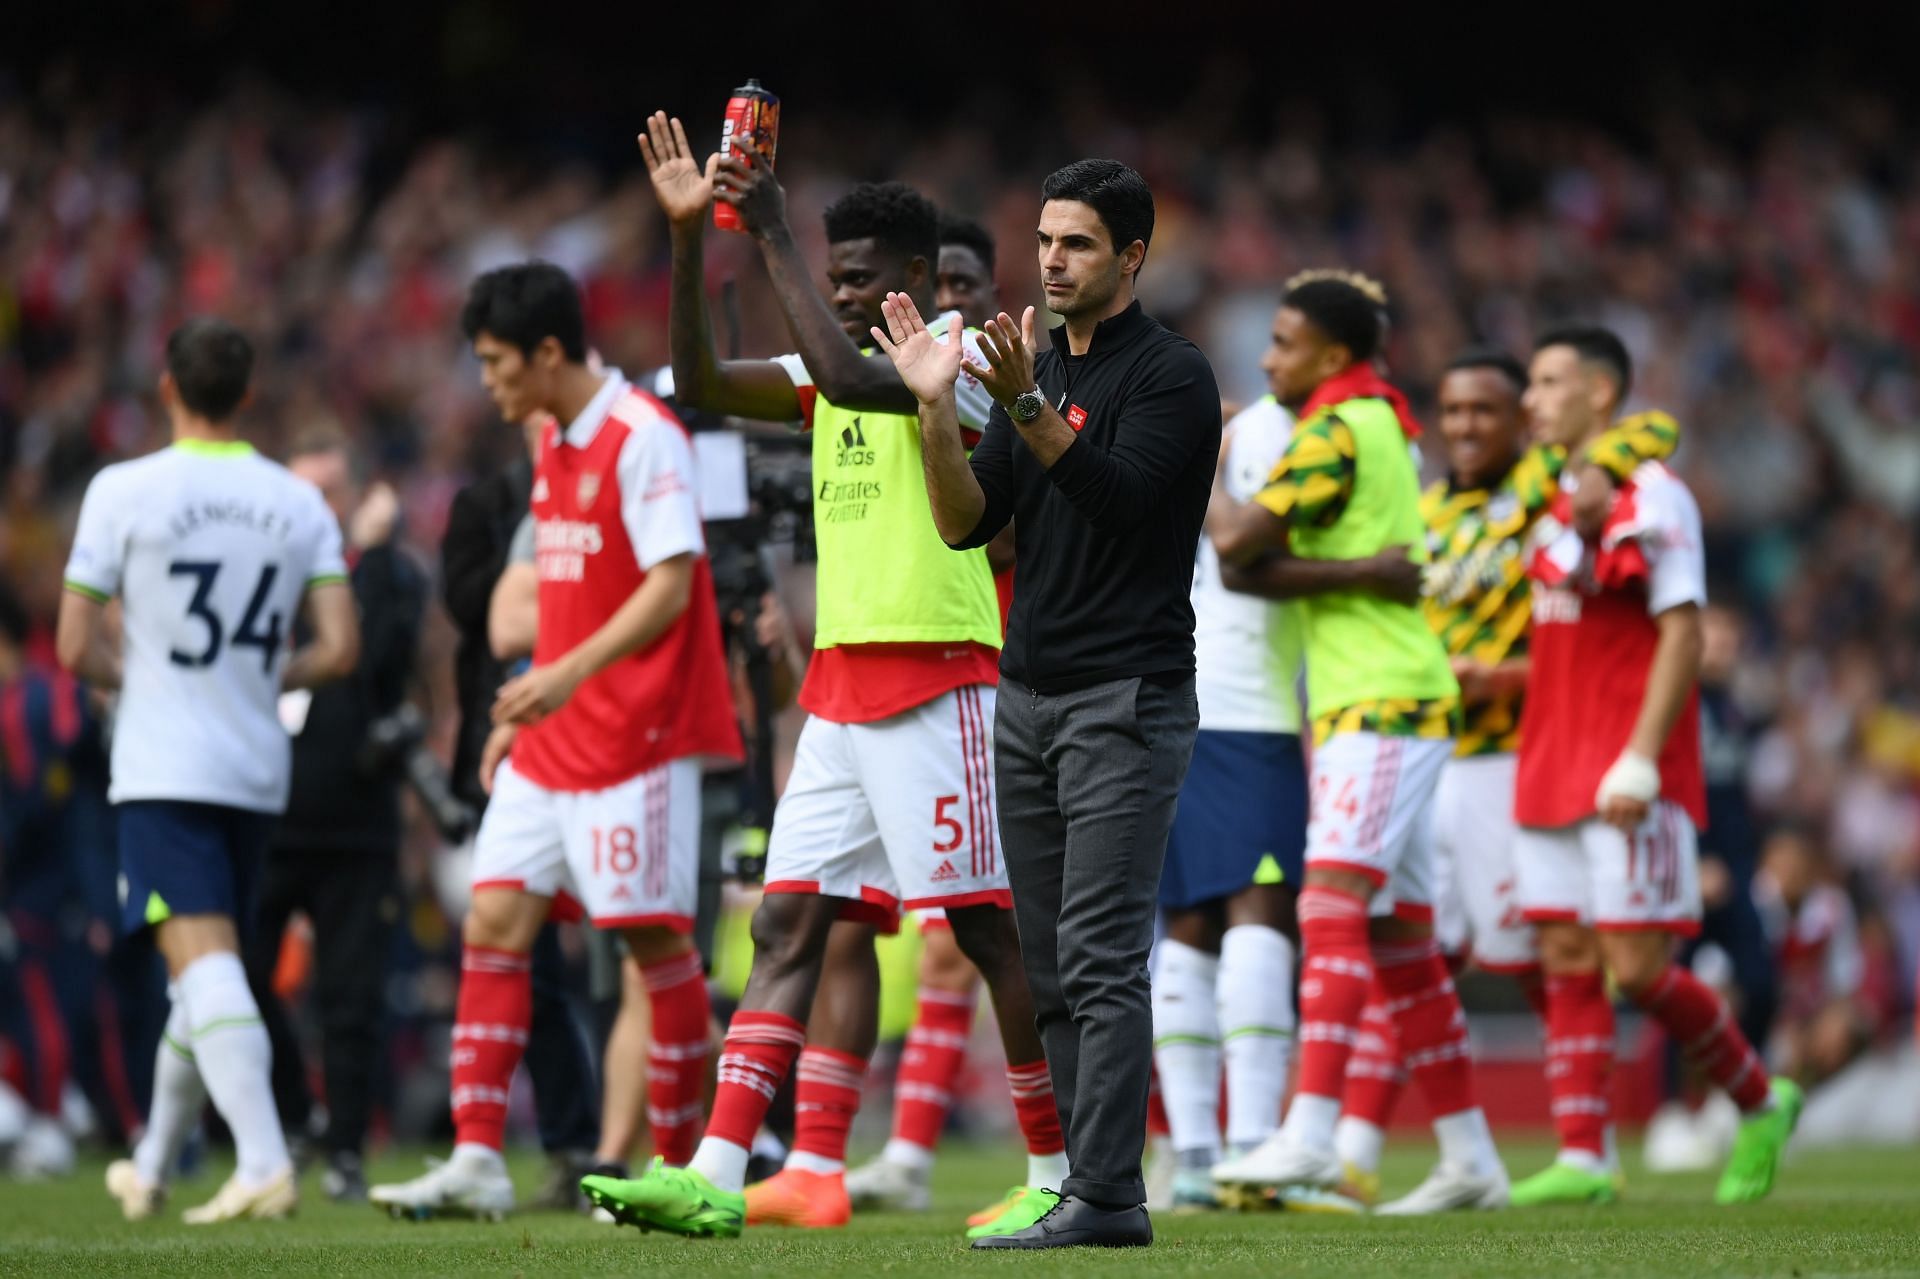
(971, 397)
(1671, 539)
(658, 487)
(803, 386)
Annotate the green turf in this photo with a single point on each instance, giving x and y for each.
(1832, 1214)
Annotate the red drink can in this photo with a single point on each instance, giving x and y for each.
(752, 132)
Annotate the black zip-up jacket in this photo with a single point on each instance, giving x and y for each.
(480, 527)
(333, 804)
(1104, 542)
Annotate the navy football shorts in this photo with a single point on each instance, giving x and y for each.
(1242, 818)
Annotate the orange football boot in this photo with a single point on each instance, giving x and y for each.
(809, 1200)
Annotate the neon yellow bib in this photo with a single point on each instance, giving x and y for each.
(885, 575)
(1361, 648)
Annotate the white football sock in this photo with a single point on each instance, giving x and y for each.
(1256, 1028)
(473, 1154)
(1186, 1045)
(178, 1097)
(908, 1155)
(1359, 1143)
(1311, 1120)
(235, 1058)
(1048, 1170)
(1466, 1142)
(722, 1163)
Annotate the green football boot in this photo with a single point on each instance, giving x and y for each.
(1756, 1151)
(678, 1200)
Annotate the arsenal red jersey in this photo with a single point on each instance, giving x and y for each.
(1593, 643)
(613, 496)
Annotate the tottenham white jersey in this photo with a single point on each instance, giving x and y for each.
(211, 549)
(1247, 650)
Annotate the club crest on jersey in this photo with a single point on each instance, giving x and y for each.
(589, 488)
(540, 489)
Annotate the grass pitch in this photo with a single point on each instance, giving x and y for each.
(1834, 1213)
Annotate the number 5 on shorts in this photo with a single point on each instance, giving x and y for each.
(942, 822)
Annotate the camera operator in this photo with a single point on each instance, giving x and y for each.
(480, 527)
(336, 856)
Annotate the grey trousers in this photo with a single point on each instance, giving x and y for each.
(1086, 786)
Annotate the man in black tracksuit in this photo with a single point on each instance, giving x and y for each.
(336, 857)
(1101, 451)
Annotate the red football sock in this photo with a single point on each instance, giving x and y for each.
(1699, 1022)
(1337, 971)
(676, 1054)
(935, 1052)
(1580, 1060)
(1533, 989)
(758, 1052)
(1033, 1103)
(826, 1097)
(1433, 1028)
(1375, 1074)
(495, 1008)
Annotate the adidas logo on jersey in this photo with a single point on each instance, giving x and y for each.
(853, 447)
(944, 873)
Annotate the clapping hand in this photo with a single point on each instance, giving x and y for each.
(927, 365)
(1009, 353)
(684, 190)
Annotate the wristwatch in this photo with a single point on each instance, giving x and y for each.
(1026, 406)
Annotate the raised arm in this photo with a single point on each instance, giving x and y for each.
(757, 389)
(840, 371)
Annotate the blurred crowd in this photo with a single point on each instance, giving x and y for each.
(1764, 271)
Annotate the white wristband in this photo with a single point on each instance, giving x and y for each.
(1633, 776)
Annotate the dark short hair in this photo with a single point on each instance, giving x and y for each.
(1493, 360)
(1341, 310)
(891, 214)
(1594, 345)
(968, 234)
(525, 304)
(211, 362)
(1111, 189)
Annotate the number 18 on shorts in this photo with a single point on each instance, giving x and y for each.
(629, 855)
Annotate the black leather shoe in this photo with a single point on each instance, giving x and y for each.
(1075, 1223)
